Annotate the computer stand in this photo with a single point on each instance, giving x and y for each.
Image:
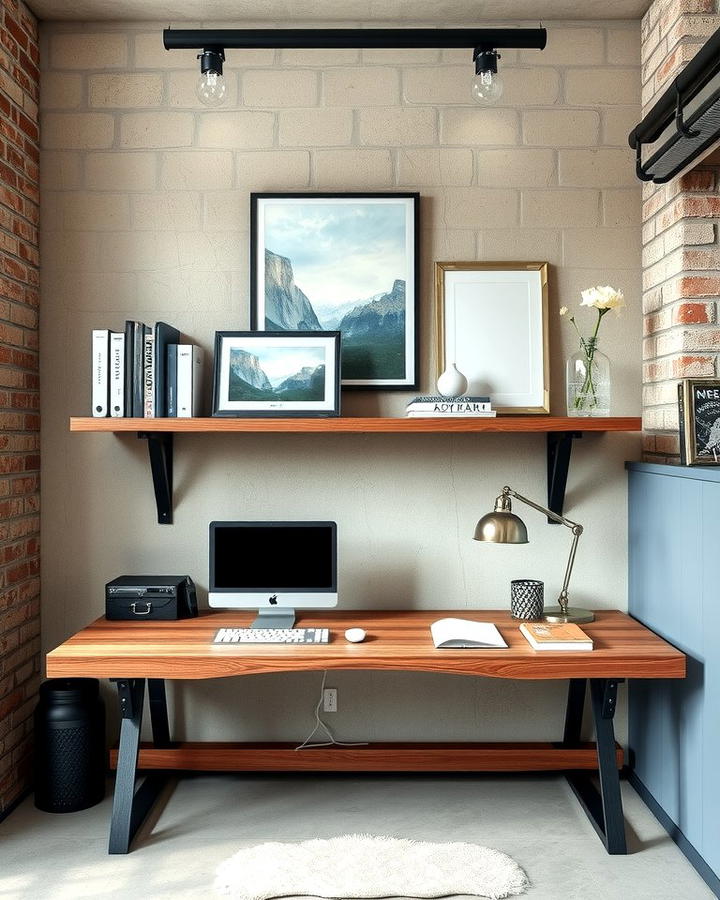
(277, 617)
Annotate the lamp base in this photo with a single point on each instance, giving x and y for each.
(573, 614)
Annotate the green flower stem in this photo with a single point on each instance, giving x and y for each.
(589, 347)
(588, 386)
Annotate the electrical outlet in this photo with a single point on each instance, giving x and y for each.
(330, 700)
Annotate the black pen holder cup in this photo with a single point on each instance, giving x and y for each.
(527, 599)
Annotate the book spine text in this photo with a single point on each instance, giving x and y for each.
(100, 365)
(117, 374)
(148, 376)
(171, 380)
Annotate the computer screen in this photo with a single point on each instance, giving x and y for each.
(273, 564)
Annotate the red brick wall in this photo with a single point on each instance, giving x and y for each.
(19, 416)
(681, 251)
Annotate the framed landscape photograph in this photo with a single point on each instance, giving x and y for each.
(699, 414)
(276, 373)
(492, 323)
(345, 262)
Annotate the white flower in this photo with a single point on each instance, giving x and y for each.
(563, 310)
(603, 297)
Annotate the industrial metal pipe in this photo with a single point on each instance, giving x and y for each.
(353, 38)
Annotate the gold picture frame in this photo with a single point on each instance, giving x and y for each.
(475, 336)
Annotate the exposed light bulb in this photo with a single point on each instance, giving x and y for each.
(487, 87)
(211, 88)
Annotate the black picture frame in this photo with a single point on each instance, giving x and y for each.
(258, 351)
(699, 417)
(376, 346)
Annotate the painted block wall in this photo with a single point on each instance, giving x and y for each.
(673, 725)
(19, 400)
(145, 205)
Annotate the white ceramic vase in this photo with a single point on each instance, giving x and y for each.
(452, 383)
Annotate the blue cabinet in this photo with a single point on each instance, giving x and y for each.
(674, 588)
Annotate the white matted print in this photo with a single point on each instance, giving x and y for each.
(276, 373)
(492, 323)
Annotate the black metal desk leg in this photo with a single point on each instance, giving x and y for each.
(603, 695)
(130, 806)
(604, 809)
(574, 712)
(158, 712)
(131, 694)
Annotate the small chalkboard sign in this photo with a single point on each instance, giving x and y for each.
(699, 407)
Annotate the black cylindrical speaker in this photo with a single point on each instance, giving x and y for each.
(70, 760)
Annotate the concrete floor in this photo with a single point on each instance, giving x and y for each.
(206, 818)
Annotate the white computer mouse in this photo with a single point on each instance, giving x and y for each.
(355, 635)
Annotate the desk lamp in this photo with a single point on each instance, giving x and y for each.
(502, 526)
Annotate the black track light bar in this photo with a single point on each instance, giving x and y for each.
(353, 38)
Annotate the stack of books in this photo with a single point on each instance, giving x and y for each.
(145, 372)
(450, 407)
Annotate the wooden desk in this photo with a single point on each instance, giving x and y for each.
(132, 653)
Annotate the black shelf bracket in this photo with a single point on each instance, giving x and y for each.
(160, 448)
(559, 448)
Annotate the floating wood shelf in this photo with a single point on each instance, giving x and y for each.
(362, 425)
(560, 431)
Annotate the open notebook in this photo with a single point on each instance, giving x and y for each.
(463, 633)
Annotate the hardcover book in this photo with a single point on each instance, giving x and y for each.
(474, 404)
(189, 380)
(164, 334)
(148, 376)
(135, 368)
(129, 350)
(117, 374)
(453, 406)
(547, 636)
(171, 380)
(437, 398)
(450, 414)
(100, 372)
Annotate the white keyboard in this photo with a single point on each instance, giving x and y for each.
(272, 636)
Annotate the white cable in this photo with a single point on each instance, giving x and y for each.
(319, 723)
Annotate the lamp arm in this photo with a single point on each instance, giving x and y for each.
(563, 598)
(576, 529)
(509, 492)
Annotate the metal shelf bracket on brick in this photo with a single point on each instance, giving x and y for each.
(160, 448)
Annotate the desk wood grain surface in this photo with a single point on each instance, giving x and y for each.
(397, 640)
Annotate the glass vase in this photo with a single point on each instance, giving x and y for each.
(588, 381)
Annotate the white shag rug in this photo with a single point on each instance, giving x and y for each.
(364, 866)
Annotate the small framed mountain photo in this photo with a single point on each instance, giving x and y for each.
(276, 373)
(699, 415)
(346, 262)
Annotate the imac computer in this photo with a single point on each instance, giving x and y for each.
(275, 567)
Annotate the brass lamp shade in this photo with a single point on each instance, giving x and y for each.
(501, 527)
